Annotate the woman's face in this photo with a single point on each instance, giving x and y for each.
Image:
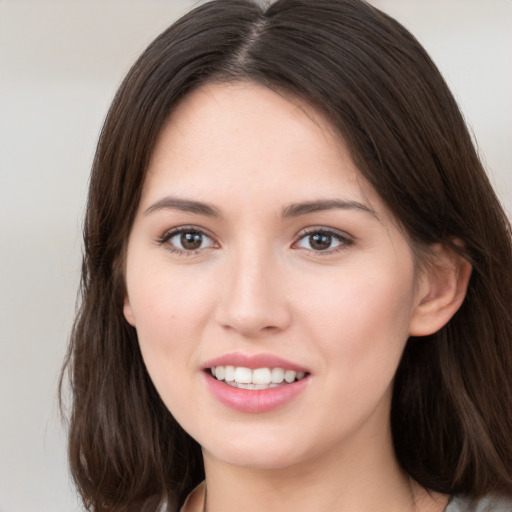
(258, 249)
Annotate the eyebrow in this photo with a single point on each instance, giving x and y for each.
(297, 209)
(293, 210)
(184, 205)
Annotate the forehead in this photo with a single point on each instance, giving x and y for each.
(244, 139)
(245, 110)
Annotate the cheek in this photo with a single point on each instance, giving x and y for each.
(360, 327)
(168, 304)
(169, 313)
(361, 322)
(359, 294)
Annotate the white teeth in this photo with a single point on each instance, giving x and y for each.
(277, 375)
(260, 378)
(242, 375)
(220, 372)
(252, 386)
(230, 374)
(289, 376)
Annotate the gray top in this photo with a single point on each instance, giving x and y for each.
(490, 503)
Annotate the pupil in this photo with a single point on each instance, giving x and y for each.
(320, 241)
(191, 241)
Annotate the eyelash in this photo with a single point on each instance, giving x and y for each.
(168, 235)
(343, 239)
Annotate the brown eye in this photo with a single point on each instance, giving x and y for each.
(323, 241)
(320, 241)
(191, 241)
(187, 240)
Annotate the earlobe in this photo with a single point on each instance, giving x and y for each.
(128, 312)
(442, 289)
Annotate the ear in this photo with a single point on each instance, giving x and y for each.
(441, 291)
(128, 312)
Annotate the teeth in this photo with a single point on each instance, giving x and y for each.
(220, 372)
(252, 386)
(277, 375)
(289, 376)
(230, 374)
(260, 378)
(242, 375)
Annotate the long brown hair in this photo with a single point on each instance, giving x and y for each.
(452, 404)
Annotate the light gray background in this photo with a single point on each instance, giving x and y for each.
(60, 64)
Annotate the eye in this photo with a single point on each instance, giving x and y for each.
(322, 240)
(187, 240)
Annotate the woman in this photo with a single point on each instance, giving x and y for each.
(297, 279)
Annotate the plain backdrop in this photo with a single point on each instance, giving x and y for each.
(60, 64)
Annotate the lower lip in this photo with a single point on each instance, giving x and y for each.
(255, 400)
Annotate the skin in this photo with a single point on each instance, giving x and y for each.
(257, 285)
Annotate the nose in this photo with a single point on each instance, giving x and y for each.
(253, 296)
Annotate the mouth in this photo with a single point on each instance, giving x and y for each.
(255, 383)
(255, 379)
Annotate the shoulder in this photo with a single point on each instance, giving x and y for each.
(489, 503)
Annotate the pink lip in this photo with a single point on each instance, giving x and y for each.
(250, 400)
(254, 361)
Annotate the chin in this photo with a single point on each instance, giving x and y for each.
(263, 451)
(256, 459)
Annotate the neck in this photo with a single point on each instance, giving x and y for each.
(356, 480)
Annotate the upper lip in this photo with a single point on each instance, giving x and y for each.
(254, 361)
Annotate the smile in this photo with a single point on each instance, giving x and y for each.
(257, 379)
(255, 383)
